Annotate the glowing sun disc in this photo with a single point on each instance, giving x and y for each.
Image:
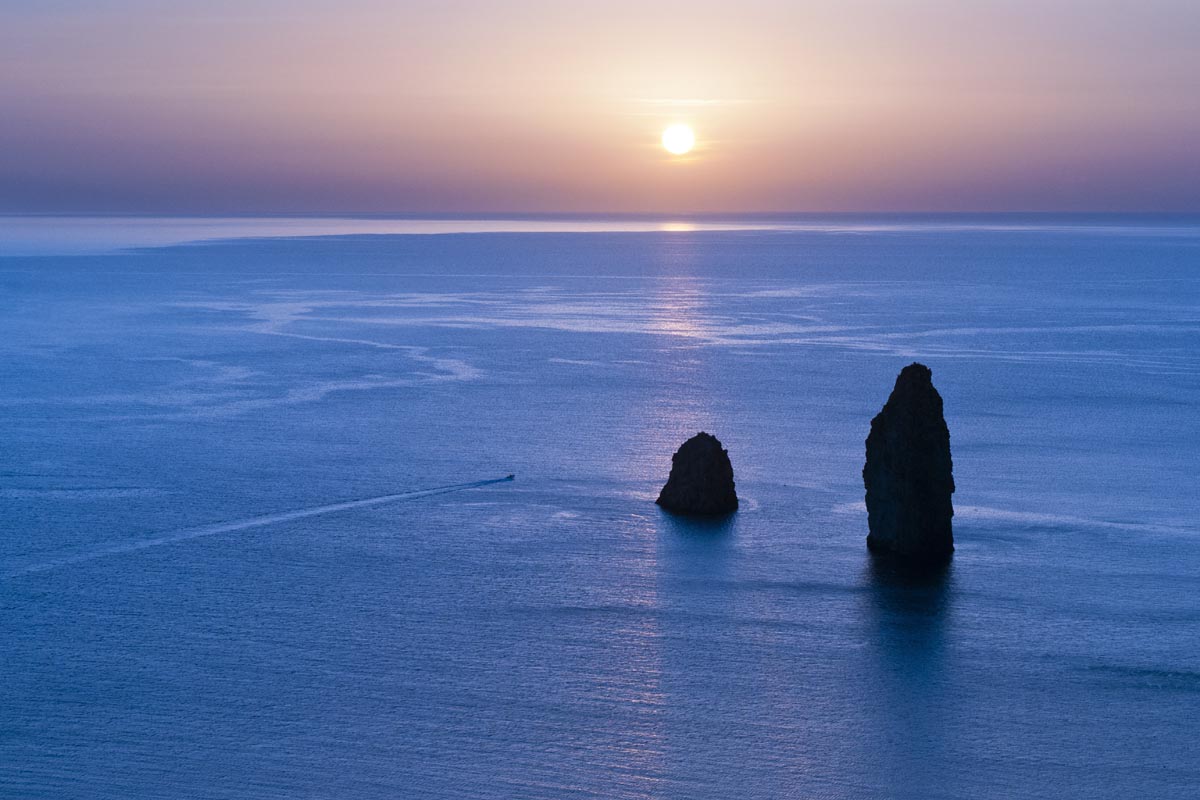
(678, 139)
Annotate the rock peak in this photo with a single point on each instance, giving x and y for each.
(908, 472)
(915, 375)
(701, 479)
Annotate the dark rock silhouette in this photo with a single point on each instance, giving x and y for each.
(701, 480)
(908, 474)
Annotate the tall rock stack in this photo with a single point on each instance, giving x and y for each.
(701, 480)
(908, 474)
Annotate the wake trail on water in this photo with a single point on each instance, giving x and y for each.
(184, 534)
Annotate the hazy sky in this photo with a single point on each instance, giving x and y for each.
(229, 106)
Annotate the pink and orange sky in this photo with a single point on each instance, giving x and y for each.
(536, 106)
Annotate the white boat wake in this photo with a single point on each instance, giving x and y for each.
(185, 534)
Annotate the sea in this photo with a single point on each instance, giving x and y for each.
(258, 540)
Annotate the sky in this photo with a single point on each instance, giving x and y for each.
(550, 106)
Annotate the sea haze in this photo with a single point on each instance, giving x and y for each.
(255, 542)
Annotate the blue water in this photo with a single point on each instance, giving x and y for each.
(194, 603)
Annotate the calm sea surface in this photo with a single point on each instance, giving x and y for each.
(194, 604)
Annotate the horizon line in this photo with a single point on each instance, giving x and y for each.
(575, 215)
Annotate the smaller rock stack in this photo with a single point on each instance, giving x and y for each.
(701, 480)
(908, 474)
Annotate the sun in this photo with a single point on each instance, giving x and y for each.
(678, 139)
